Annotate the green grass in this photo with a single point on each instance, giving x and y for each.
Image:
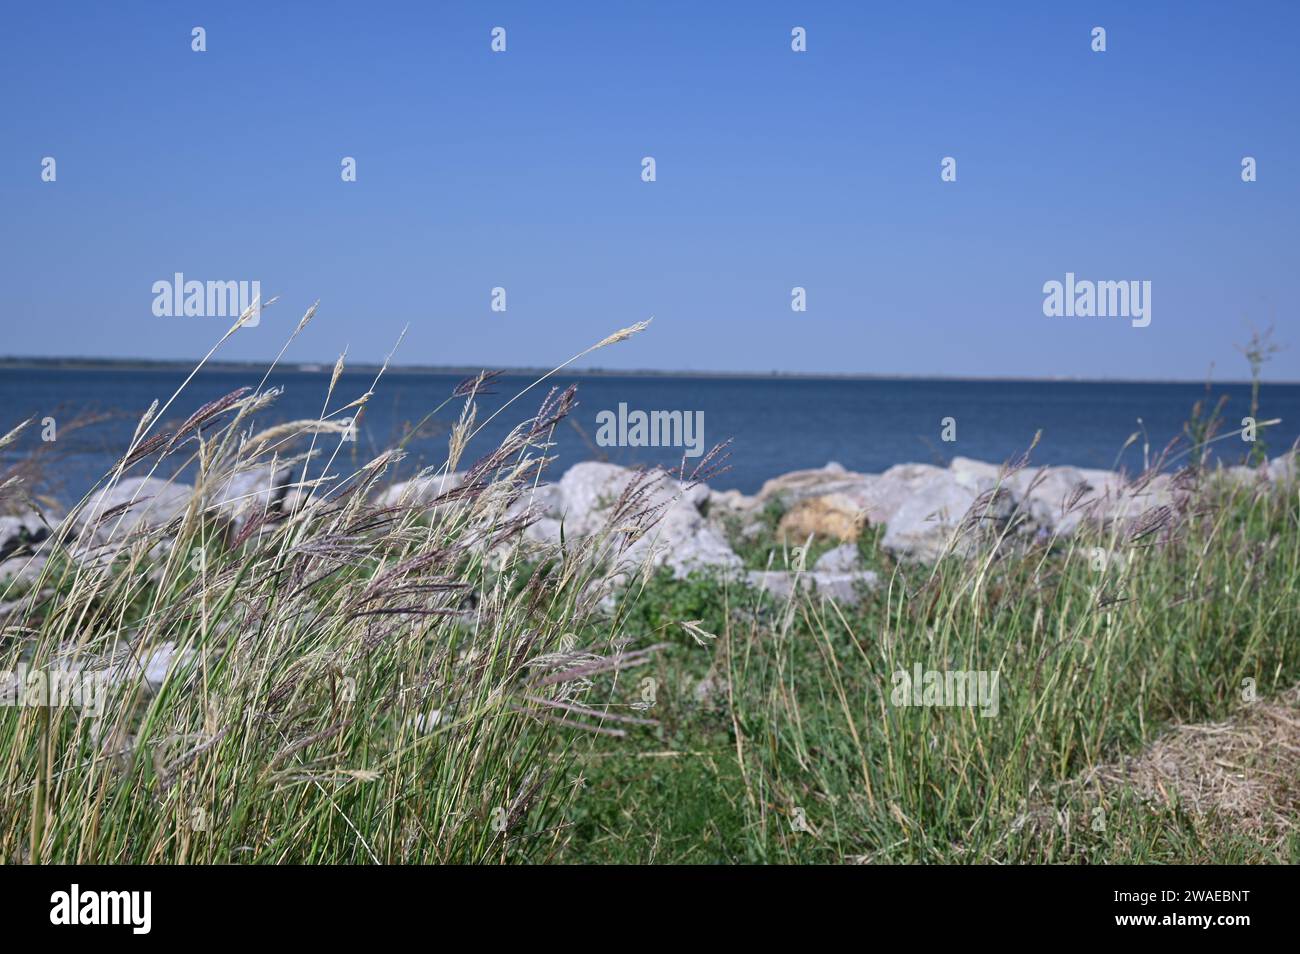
(295, 724)
(807, 723)
(761, 545)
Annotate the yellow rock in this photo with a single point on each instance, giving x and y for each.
(830, 516)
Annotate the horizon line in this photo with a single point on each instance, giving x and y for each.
(36, 362)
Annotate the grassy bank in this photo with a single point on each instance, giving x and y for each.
(342, 681)
(780, 742)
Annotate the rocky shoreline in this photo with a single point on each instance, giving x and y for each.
(922, 512)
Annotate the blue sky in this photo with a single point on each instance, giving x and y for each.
(774, 169)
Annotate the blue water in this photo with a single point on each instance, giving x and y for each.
(777, 425)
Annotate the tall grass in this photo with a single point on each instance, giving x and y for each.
(314, 680)
(781, 742)
(326, 679)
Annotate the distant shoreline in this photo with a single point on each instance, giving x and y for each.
(306, 367)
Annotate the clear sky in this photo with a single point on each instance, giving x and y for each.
(775, 169)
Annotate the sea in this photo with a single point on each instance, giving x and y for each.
(771, 425)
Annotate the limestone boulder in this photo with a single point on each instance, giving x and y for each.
(146, 503)
(798, 485)
(841, 559)
(842, 587)
(20, 573)
(419, 492)
(681, 538)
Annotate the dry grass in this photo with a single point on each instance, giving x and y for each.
(1242, 773)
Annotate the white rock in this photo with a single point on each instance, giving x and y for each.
(1282, 469)
(20, 572)
(889, 492)
(681, 538)
(257, 490)
(160, 663)
(1241, 476)
(841, 559)
(1055, 498)
(154, 669)
(544, 531)
(832, 479)
(587, 492)
(843, 588)
(729, 502)
(545, 500)
(926, 520)
(975, 474)
(696, 549)
(153, 503)
(420, 491)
